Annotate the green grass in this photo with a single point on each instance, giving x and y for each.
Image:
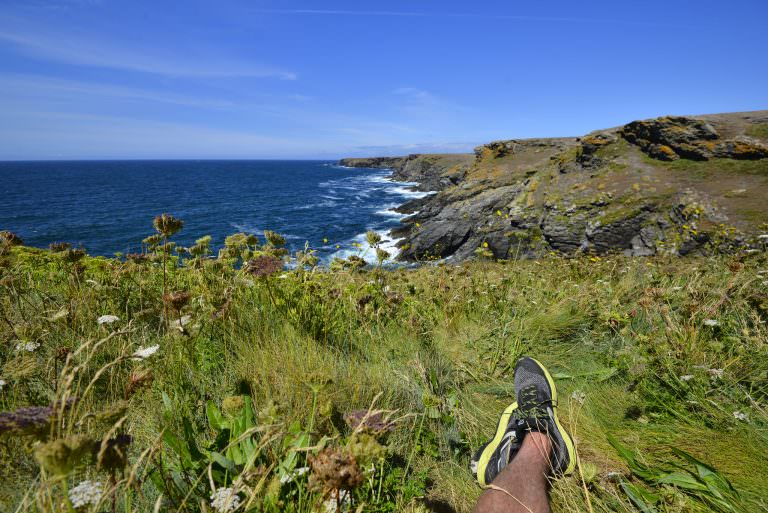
(759, 130)
(430, 351)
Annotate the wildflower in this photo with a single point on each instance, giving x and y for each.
(27, 346)
(224, 500)
(686, 377)
(716, 373)
(86, 493)
(2, 383)
(677, 289)
(288, 478)
(263, 266)
(145, 352)
(107, 319)
(740, 416)
(485, 244)
(579, 396)
(181, 322)
(325, 241)
(711, 322)
(166, 225)
(338, 501)
(763, 236)
(137, 380)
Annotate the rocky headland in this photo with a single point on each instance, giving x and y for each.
(676, 184)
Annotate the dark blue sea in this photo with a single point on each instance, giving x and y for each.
(108, 206)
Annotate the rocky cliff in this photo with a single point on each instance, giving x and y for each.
(679, 185)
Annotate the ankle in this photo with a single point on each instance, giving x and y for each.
(538, 442)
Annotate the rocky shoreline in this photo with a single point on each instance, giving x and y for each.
(676, 185)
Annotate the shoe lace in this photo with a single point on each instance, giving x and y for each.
(530, 406)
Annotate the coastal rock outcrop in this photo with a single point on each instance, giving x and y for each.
(700, 191)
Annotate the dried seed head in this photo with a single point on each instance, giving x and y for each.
(138, 258)
(334, 469)
(58, 247)
(274, 238)
(166, 225)
(177, 300)
(372, 422)
(113, 453)
(11, 238)
(263, 265)
(137, 380)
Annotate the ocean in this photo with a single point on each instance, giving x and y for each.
(108, 206)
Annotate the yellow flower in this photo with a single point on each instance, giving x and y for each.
(418, 225)
(498, 213)
(325, 241)
(485, 244)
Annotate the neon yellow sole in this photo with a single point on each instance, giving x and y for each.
(569, 445)
(485, 456)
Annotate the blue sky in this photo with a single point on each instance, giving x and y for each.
(291, 79)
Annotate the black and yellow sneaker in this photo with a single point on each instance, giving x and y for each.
(492, 457)
(537, 411)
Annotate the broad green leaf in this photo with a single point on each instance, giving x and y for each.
(641, 497)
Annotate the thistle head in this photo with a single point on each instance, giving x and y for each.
(167, 225)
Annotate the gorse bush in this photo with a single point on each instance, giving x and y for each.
(176, 380)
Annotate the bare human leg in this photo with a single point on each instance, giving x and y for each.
(522, 486)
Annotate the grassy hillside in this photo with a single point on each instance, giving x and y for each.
(211, 377)
(675, 185)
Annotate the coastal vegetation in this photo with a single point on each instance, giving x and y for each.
(177, 379)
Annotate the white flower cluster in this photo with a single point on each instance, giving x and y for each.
(2, 383)
(711, 322)
(27, 346)
(87, 492)
(686, 377)
(224, 500)
(288, 478)
(107, 319)
(579, 396)
(338, 501)
(145, 352)
(740, 416)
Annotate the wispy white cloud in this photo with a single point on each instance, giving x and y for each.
(405, 149)
(468, 15)
(36, 84)
(81, 52)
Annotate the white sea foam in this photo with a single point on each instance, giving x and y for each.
(365, 251)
